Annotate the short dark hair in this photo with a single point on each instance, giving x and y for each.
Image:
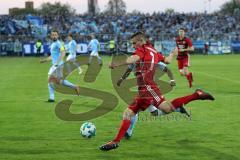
(137, 34)
(70, 35)
(55, 30)
(182, 29)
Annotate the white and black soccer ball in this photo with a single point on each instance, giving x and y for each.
(88, 130)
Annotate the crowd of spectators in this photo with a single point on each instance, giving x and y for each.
(159, 26)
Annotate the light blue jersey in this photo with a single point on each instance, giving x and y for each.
(72, 47)
(162, 66)
(55, 50)
(93, 45)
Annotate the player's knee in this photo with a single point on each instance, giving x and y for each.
(181, 72)
(53, 79)
(165, 107)
(185, 70)
(127, 114)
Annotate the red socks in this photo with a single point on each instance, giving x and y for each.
(190, 79)
(179, 102)
(123, 129)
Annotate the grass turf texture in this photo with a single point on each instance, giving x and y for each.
(29, 128)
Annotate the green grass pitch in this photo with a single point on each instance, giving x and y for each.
(30, 130)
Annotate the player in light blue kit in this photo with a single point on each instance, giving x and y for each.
(94, 46)
(55, 74)
(72, 50)
(152, 109)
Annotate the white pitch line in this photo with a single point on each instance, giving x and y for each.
(218, 77)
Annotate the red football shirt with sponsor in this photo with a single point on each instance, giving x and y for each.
(145, 67)
(160, 55)
(183, 44)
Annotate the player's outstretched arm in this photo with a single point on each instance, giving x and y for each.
(170, 76)
(130, 60)
(191, 49)
(169, 58)
(49, 58)
(124, 76)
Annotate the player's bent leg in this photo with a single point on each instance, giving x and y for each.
(99, 59)
(75, 63)
(155, 111)
(181, 72)
(78, 66)
(185, 70)
(188, 76)
(127, 115)
(53, 79)
(71, 85)
(129, 132)
(90, 59)
(170, 108)
(166, 107)
(197, 95)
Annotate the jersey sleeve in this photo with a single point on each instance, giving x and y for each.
(162, 66)
(74, 44)
(90, 44)
(161, 57)
(139, 53)
(189, 42)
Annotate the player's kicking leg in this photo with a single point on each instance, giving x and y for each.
(66, 83)
(181, 101)
(154, 112)
(134, 120)
(72, 59)
(95, 54)
(99, 60)
(127, 115)
(55, 77)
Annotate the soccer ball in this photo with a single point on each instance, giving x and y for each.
(88, 130)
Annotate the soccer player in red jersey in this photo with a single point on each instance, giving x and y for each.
(184, 46)
(146, 61)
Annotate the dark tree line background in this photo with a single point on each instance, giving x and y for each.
(114, 7)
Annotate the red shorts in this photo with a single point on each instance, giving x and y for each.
(183, 62)
(151, 97)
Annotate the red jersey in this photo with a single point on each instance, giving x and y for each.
(145, 67)
(183, 44)
(161, 57)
